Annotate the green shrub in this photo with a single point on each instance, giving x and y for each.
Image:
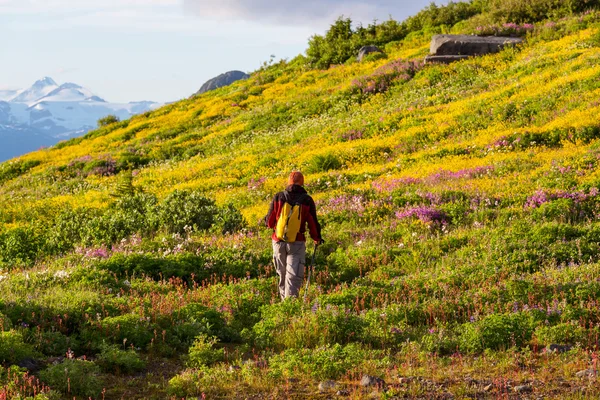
(13, 348)
(230, 220)
(114, 360)
(54, 343)
(74, 377)
(564, 333)
(324, 163)
(183, 209)
(13, 169)
(327, 362)
(495, 332)
(20, 246)
(202, 352)
(128, 329)
(108, 120)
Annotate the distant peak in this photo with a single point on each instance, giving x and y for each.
(70, 85)
(46, 81)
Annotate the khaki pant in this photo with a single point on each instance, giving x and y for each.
(289, 259)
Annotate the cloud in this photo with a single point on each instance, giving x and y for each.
(306, 12)
(12, 7)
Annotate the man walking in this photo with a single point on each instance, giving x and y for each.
(289, 253)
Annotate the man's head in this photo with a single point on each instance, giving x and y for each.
(296, 178)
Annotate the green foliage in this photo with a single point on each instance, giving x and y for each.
(114, 360)
(74, 377)
(54, 343)
(324, 163)
(108, 120)
(565, 333)
(190, 209)
(128, 329)
(125, 186)
(202, 352)
(13, 349)
(534, 10)
(15, 384)
(13, 169)
(230, 220)
(495, 332)
(327, 362)
(342, 42)
(19, 246)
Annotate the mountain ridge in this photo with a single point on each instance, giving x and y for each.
(47, 112)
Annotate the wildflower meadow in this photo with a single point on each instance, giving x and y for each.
(459, 206)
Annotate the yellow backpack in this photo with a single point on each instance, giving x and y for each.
(288, 224)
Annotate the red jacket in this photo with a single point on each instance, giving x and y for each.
(308, 213)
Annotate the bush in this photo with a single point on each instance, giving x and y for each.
(324, 163)
(54, 343)
(564, 333)
(327, 362)
(13, 169)
(496, 332)
(74, 377)
(183, 209)
(13, 349)
(202, 352)
(108, 120)
(114, 360)
(19, 246)
(230, 220)
(128, 329)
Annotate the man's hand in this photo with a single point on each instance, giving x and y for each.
(319, 242)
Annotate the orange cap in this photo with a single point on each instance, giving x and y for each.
(296, 178)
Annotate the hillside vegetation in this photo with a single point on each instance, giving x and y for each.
(460, 210)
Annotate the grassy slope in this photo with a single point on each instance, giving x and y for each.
(473, 140)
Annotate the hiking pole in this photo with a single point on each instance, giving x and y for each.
(310, 267)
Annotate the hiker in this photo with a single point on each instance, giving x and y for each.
(289, 247)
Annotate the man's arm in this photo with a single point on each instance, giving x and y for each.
(313, 223)
(271, 217)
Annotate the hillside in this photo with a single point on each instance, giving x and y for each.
(459, 205)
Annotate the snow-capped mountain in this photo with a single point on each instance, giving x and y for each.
(47, 112)
(38, 90)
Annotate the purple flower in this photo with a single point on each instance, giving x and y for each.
(424, 214)
(391, 185)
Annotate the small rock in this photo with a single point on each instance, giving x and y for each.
(559, 348)
(326, 386)
(367, 50)
(404, 380)
(342, 393)
(234, 368)
(587, 373)
(522, 389)
(375, 395)
(488, 387)
(257, 364)
(293, 380)
(368, 380)
(30, 364)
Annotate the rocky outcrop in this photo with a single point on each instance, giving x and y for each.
(449, 48)
(222, 80)
(367, 50)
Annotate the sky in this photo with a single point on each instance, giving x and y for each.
(163, 50)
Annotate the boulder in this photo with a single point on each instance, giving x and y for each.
(326, 386)
(467, 45)
(367, 50)
(222, 80)
(587, 373)
(368, 380)
(523, 389)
